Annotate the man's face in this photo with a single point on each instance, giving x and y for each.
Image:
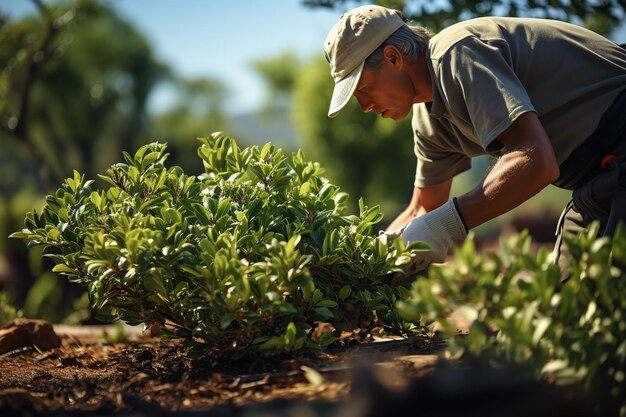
(391, 89)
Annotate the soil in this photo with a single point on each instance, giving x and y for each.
(89, 374)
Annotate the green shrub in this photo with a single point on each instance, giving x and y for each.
(521, 313)
(248, 256)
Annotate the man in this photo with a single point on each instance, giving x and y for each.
(547, 98)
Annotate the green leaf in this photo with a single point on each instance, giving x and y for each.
(225, 320)
(326, 303)
(290, 334)
(554, 366)
(63, 269)
(149, 159)
(326, 192)
(266, 150)
(53, 234)
(541, 325)
(155, 284)
(314, 378)
(327, 339)
(292, 244)
(323, 313)
(133, 174)
(345, 292)
(24, 234)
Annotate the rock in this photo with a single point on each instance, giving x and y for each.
(24, 332)
(153, 330)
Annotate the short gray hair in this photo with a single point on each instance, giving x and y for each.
(411, 41)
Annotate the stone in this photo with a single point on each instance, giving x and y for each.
(19, 333)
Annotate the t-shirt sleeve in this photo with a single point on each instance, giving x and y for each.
(435, 167)
(481, 87)
(437, 160)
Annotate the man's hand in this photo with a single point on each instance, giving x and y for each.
(386, 236)
(438, 229)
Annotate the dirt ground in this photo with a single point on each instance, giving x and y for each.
(88, 375)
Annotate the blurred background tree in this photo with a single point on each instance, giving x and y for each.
(601, 16)
(197, 111)
(77, 79)
(273, 117)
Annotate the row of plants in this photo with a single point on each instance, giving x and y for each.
(520, 313)
(254, 253)
(250, 256)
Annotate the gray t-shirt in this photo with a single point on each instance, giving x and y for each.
(488, 71)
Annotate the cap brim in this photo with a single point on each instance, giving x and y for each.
(344, 90)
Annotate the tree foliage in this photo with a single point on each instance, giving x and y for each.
(75, 84)
(601, 16)
(280, 73)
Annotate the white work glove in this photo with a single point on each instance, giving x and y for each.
(438, 229)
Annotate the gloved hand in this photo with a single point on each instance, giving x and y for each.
(438, 229)
(385, 236)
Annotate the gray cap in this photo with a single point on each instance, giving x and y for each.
(351, 40)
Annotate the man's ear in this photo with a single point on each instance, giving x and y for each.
(393, 56)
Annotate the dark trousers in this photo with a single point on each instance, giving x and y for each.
(596, 172)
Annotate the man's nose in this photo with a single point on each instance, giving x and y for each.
(366, 105)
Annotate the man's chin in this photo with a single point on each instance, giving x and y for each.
(398, 117)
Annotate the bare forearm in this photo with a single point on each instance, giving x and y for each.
(424, 199)
(516, 177)
(404, 217)
(527, 166)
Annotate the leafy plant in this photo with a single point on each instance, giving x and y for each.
(521, 313)
(248, 256)
(8, 311)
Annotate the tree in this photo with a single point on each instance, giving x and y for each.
(75, 83)
(280, 73)
(601, 16)
(273, 118)
(197, 112)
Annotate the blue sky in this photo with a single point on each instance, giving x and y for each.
(220, 39)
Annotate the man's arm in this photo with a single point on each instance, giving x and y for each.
(526, 167)
(423, 200)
